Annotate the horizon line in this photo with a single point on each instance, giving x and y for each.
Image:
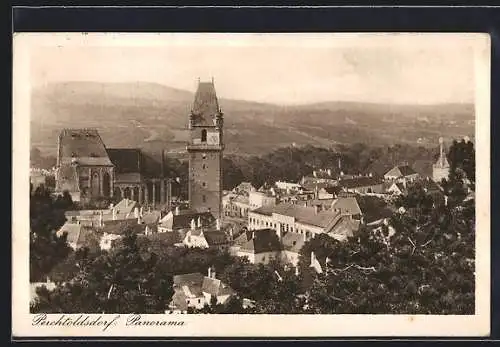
(277, 104)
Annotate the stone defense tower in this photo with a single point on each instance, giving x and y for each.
(441, 168)
(205, 150)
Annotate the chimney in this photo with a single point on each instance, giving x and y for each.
(253, 235)
(126, 202)
(209, 272)
(136, 212)
(329, 171)
(199, 222)
(193, 224)
(217, 224)
(100, 219)
(305, 237)
(316, 209)
(114, 213)
(177, 210)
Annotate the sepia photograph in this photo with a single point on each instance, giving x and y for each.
(303, 176)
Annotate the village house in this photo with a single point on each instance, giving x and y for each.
(401, 173)
(235, 205)
(244, 188)
(180, 220)
(283, 218)
(78, 235)
(362, 185)
(194, 290)
(258, 199)
(199, 237)
(292, 243)
(259, 246)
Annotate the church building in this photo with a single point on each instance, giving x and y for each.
(205, 151)
(441, 168)
(88, 170)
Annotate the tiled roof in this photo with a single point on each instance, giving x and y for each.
(151, 217)
(126, 160)
(205, 105)
(194, 278)
(345, 228)
(358, 182)
(125, 206)
(215, 287)
(243, 238)
(77, 234)
(265, 240)
(347, 205)
(293, 242)
(244, 186)
(83, 144)
(215, 238)
(182, 220)
(302, 214)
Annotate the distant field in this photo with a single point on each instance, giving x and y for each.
(153, 116)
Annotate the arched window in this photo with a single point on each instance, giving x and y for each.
(204, 135)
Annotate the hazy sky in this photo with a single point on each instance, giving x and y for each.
(279, 69)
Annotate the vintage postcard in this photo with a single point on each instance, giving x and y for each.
(251, 185)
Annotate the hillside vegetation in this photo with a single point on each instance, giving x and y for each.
(153, 116)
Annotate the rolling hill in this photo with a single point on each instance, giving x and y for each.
(153, 116)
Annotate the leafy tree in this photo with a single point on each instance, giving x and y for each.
(46, 217)
(121, 281)
(421, 263)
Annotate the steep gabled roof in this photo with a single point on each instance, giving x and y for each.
(182, 220)
(205, 105)
(347, 205)
(215, 238)
(400, 171)
(215, 287)
(265, 240)
(126, 160)
(83, 145)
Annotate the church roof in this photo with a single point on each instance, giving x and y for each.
(83, 145)
(133, 164)
(205, 105)
(126, 160)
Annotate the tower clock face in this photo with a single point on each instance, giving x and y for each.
(213, 138)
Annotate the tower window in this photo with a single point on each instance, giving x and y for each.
(204, 184)
(204, 135)
(204, 166)
(204, 198)
(204, 156)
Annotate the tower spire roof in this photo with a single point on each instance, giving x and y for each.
(442, 161)
(206, 104)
